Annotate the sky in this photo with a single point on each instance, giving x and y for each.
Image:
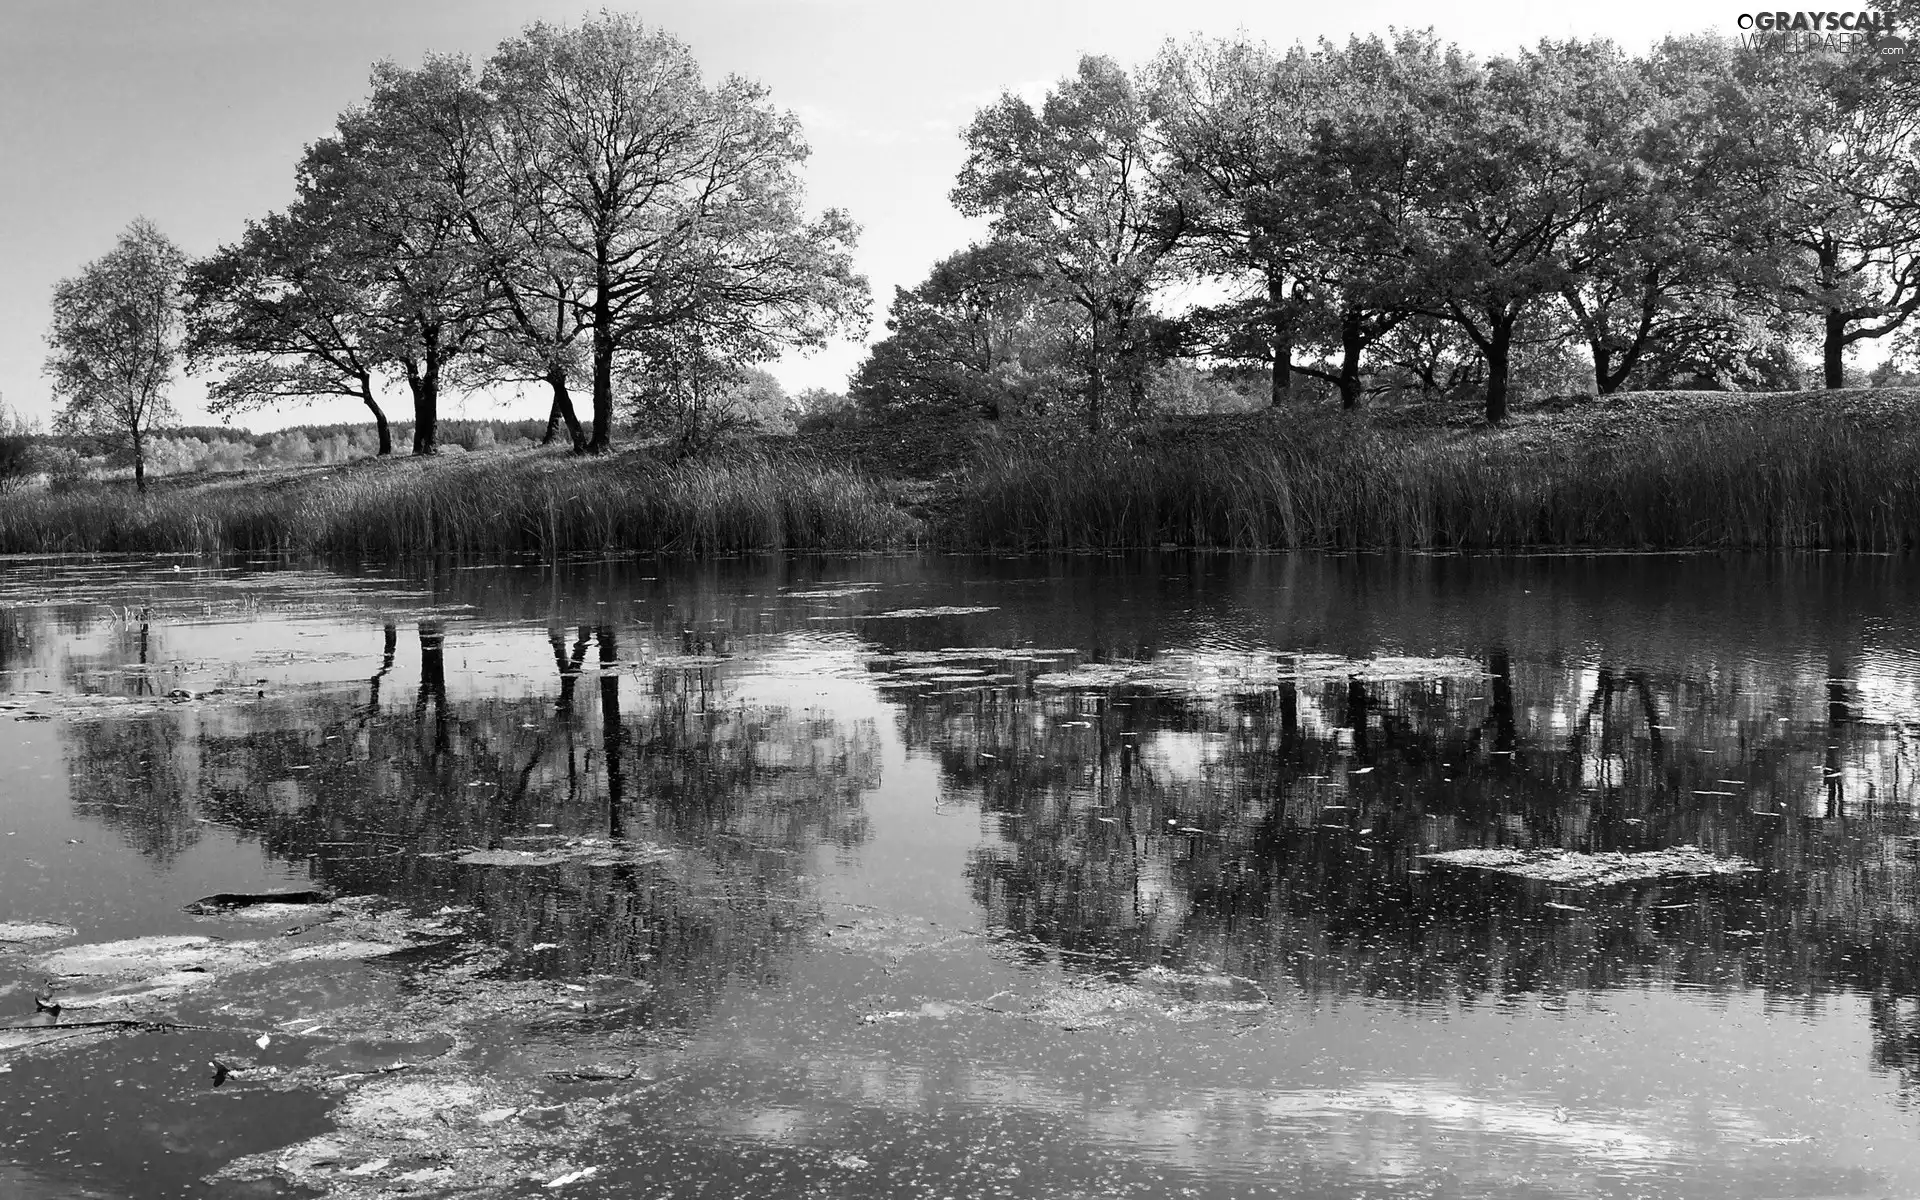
(192, 113)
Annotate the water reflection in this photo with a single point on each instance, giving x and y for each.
(1178, 770)
(1262, 810)
(1280, 830)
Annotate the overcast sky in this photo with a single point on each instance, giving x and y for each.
(193, 112)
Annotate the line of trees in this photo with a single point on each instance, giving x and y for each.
(584, 211)
(1394, 211)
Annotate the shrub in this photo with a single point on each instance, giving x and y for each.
(18, 463)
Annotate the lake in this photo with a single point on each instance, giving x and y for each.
(943, 877)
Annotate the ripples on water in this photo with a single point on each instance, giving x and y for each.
(1013, 877)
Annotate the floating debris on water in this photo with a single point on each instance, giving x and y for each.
(1580, 869)
(223, 903)
(17, 932)
(944, 610)
(586, 852)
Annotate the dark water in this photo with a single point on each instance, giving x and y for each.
(1012, 877)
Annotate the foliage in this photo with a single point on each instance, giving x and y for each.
(671, 210)
(1289, 177)
(1394, 214)
(390, 191)
(18, 460)
(1822, 155)
(694, 400)
(818, 408)
(983, 332)
(553, 218)
(288, 314)
(1068, 189)
(115, 340)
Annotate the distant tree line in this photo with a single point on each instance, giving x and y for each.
(1393, 212)
(582, 213)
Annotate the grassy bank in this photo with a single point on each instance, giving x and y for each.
(1655, 470)
(496, 504)
(1777, 480)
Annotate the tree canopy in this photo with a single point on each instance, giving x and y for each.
(1394, 212)
(115, 340)
(584, 206)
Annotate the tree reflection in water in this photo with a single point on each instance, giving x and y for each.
(369, 795)
(1245, 806)
(1277, 832)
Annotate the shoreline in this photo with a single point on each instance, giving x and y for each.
(1634, 472)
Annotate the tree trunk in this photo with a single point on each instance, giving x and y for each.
(602, 439)
(563, 411)
(1094, 377)
(1609, 375)
(1131, 361)
(391, 642)
(611, 735)
(379, 419)
(425, 385)
(139, 460)
(433, 682)
(1835, 350)
(1357, 705)
(1282, 340)
(1499, 353)
(1500, 708)
(1352, 343)
(569, 668)
(1602, 367)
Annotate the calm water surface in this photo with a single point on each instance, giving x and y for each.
(1001, 877)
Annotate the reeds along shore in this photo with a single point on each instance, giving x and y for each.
(1760, 482)
(490, 505)
(1794, 480)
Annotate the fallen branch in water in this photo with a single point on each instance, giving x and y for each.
(123, 1023)
(592, 1076)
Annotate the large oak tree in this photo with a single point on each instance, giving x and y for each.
(664, 210)
(394, 186)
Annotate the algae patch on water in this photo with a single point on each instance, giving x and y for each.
(1575, 868)
(18, 932)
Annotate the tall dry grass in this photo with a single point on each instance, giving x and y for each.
(481, 506)
(1747, 478)
(1754, 480)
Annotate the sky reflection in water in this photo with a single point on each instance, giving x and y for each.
(1039, 877)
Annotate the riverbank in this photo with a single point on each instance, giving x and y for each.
(1661, 470)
